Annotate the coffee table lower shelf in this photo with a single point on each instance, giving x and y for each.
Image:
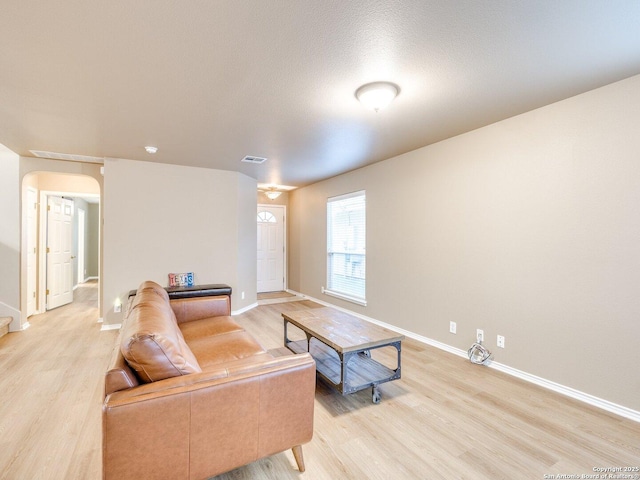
(348, 372)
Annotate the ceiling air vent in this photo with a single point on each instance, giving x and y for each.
(251, 159)
(67, 156)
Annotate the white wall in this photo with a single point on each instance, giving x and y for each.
(10, 236)
(162, 218)
(528, 228)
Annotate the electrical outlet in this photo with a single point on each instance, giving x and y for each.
(500, 341)
(452, 327)
(242, 296)
(479, 335)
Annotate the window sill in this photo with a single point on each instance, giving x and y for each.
(348, 298)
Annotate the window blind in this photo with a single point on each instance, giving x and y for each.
(346, 247)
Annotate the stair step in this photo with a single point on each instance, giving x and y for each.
(4, 325)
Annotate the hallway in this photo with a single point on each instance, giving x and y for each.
(51, 391)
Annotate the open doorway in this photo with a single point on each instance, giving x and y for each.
(62, 237)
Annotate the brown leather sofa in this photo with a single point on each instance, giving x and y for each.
(190, 394)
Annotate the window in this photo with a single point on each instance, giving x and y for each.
(266, 217)
(346, 244)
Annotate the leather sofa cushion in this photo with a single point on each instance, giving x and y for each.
(220, 349)
(152, 343)
(207, 327)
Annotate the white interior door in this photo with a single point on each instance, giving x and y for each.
(32, 239)
(59, 261)
(270, 248)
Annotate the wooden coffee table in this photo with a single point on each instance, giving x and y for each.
(341, 345)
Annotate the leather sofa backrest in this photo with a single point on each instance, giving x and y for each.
(151, 342)
(201, 307)
(150, 286)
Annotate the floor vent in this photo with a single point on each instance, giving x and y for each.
(256, 160)
(67, 156)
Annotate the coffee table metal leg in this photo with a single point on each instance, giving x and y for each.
(375, 394)
(344, 360)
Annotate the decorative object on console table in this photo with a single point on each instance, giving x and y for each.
(181, 279)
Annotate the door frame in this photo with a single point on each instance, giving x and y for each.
(284, 241)
(42, 243)
(33, 270)
(81, 244)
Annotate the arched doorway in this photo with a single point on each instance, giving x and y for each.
(54, 238)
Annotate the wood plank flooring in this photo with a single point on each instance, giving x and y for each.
(51, 392)
(445, 419)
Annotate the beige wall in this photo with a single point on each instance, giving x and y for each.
(247, 241)
(93, 240)
(10, 236)
(71, 183)
(162, 218)
(527, 228)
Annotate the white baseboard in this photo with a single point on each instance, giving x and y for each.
(528, 377)
(245, 309)
(113, 326)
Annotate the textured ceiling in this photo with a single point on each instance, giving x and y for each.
(209, 82)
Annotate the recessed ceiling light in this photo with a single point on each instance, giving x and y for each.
(377, 95)
(151, 149)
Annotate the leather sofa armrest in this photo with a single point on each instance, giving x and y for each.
(186, 383)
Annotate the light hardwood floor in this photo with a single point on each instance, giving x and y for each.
(445, 419)
(51, 391)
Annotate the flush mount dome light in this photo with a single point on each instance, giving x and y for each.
(272, 193)
(377, 95)
(151, 149)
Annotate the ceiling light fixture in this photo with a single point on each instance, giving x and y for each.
(377, 95)
(151, 149)
(272, 193)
